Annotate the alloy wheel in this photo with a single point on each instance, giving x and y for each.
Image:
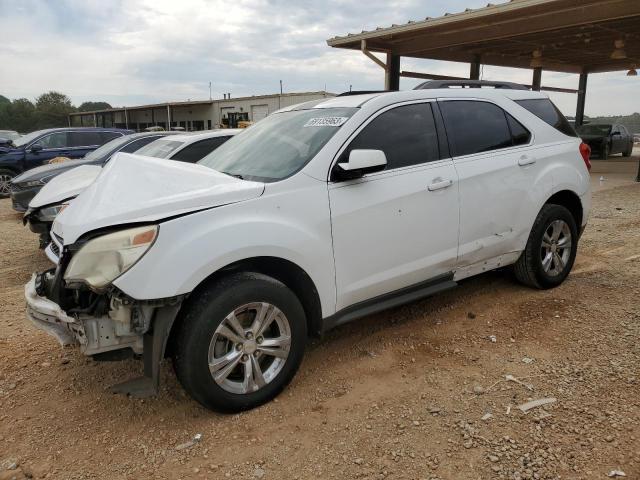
(556, 247)
(249, 348)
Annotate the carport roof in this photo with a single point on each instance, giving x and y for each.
(574, 36)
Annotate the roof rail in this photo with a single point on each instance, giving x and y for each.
(360, 92)
(469, 84)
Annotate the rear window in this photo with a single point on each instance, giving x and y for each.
(162, 148)
(545, 110)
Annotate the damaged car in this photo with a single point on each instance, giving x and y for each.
(319, 214)
(65, 181)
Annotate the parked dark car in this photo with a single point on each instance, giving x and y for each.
(37, 148)
(25, 186)
(606, 139)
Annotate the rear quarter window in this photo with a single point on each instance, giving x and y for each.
(545, 110)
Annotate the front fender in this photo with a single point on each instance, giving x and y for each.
(191, 248)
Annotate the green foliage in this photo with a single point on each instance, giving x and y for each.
(50, 110)
(53, 109)
(632, 122)
(19, 115)
(92, 106)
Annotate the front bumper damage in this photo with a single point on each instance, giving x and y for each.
(109, 326)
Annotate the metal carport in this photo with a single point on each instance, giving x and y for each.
(574, 36)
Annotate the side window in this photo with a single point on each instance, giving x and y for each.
(108, 136)
(474, 126)
(137, 144)
(519, 134)
(407, 135)
(84, 139)
(545, 110)
(198, 150)
(54, 140)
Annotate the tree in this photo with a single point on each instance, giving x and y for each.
(19, 115)
(53, 109)
(92, 106)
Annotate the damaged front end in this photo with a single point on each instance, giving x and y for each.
(77, 303)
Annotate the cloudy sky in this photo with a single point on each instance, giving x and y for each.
(128, 52)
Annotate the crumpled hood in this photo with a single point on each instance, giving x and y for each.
(65, 186)
(133, 188)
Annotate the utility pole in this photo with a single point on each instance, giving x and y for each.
(280, 87)
(210, 98)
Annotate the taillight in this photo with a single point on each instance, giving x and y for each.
(585, 151)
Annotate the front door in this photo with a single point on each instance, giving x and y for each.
(53, 145)
(397, 227)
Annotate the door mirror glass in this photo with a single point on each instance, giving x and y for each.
(36, 147)
(361, 162)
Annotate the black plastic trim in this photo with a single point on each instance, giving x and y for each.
(389, 300)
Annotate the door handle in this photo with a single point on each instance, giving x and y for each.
(525, 160)
(440, 185)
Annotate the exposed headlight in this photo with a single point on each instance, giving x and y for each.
(48, 214)
(31, 183)
(103, 259)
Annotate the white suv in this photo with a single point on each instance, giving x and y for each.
(317, 215)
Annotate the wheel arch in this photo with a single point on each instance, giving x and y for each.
(285, 271)
(571, 201)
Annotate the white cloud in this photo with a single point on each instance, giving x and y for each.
(128, 52)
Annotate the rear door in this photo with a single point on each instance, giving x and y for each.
(83, 142)
(497, 168)
(398, 227)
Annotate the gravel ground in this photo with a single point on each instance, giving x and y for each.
(419, 392)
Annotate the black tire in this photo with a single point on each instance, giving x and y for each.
(5, 177)
(604, 152)
(203, 314)
(627, 153)
(529, 268)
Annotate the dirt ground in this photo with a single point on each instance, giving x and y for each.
(418, 392)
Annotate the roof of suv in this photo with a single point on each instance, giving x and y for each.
(353, 101)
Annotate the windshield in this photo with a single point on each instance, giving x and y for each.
(594, 129)
(279, 145)
(107, 148)
(162, 148)
(29, 137)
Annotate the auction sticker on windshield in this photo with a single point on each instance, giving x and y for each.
(326, 121)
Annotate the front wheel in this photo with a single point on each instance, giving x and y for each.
(551, 249)
(240, 342)
(5, 182)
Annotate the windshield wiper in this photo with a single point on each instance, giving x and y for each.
(237, 175)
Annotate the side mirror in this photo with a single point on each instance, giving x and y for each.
(616, 134)
(360, 162)
(36, 147)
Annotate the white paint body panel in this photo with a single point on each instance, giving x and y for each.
(357, 239)
(65, 186)
(390, 231)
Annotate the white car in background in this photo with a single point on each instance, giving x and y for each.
(188, 147)
(317, 215)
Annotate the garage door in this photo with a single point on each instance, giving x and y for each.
(258, 112)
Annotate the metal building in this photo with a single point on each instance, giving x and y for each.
(193, 115)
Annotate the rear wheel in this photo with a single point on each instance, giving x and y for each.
(5, 182)
(628, 152)
(240, 342)
(551, 249)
